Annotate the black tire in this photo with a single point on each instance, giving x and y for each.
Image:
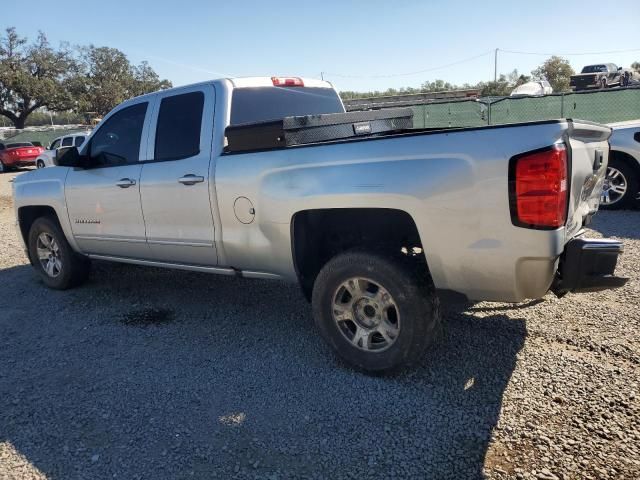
(603, 83)
(3, 168)
(412, 290)
(39, 164)
(628, 200)
(74, 269)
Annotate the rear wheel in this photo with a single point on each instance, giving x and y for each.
(53, 258)
(620, 187)
(377, 313)
(603, 83)
(39, 164)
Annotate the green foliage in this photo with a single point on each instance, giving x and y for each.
(42, 118)
(108, 78)
(32, 76)
(635, 66)
(502, 87)
(86, 79)
(426, 87)
(557, 71)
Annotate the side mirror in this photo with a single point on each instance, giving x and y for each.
(68, 157)
(619, 68)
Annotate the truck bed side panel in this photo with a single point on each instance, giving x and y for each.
(453, 184)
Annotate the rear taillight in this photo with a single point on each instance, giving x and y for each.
(539, 188)
(287, 82)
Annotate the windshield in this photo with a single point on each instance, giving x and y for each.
(594, 69)
(259, 104)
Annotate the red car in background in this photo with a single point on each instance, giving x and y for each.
(14, 155)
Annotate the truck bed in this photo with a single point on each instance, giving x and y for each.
(454, 182)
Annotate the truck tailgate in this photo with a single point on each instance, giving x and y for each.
(589, 147)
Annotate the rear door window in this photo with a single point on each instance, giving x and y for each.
(179, 124)
(78, 141)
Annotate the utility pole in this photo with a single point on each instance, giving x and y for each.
(322, 75)
(495, 66)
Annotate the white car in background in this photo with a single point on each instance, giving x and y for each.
(46, 158)
(622, 184)
(536, 88)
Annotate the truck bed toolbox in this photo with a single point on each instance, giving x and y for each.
(306, 129)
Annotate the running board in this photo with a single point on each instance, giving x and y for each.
(183, 266)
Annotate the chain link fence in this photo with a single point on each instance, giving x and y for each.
(603, 106)
(40, 135)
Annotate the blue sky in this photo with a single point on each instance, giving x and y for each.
(353, 42)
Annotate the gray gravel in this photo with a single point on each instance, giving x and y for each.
(146, 373)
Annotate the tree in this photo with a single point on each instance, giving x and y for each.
(499, 88)
(436, 86)
(557, 71)
(32, 76)
(105, 81)
(635, 66)
(108, 79)
(146, 80)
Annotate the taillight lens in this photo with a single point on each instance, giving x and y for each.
(539, 188)
(287, 82)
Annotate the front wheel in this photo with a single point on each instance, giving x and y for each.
(53, 258)
(378, 313)
(39, 164)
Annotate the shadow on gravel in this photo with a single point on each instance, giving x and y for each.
(237, 385)
(617, 223)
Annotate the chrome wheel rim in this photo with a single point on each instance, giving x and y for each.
(614, 188)
(49, 254)
(366, 314)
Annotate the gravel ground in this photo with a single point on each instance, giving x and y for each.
(146, 373)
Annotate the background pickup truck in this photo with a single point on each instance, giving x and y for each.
(373, 227)
(596, 76)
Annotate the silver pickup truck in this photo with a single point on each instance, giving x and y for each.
(373, 227)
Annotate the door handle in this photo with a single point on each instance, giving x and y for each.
(191, 179)
(125, 182)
